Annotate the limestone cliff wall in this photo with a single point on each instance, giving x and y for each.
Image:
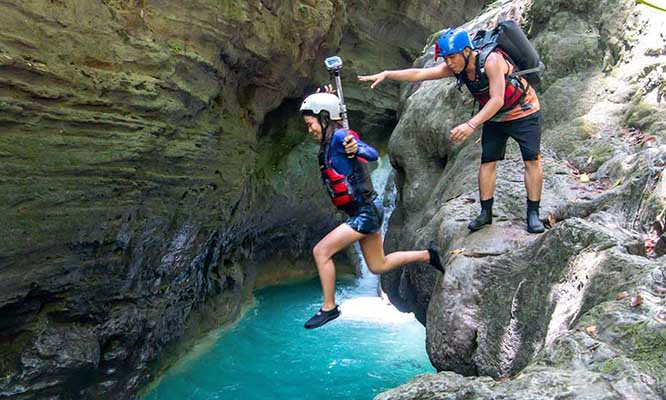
(149, 156)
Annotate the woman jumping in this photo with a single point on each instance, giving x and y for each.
(342, 161)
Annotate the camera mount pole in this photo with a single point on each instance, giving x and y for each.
(334, 66)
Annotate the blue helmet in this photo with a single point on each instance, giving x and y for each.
(452, 41)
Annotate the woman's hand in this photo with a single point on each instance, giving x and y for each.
(327, 89)
(461, 132)
(351, 147)
(376, 79)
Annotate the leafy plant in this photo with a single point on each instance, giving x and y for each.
(647, 3)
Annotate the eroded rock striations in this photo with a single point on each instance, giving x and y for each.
(520, 316)
(146, 163)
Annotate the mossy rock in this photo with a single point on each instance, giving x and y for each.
(649, 118)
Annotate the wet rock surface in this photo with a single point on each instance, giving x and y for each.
(575, 312)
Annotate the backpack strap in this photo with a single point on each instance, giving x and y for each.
(540, 68)
(481, 58)
(459, 81)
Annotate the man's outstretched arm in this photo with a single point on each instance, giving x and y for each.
(408, 75)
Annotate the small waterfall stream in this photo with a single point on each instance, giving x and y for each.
(367, 301)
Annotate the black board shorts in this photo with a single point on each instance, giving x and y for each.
(526, 131)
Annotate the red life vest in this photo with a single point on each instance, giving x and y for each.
(340, 188)
(514, 90)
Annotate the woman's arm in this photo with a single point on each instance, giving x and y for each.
(366, 151)
(346, 144)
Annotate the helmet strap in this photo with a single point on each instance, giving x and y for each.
(459, 76)
(466, 57)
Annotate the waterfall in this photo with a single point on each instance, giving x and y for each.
(366, 301)
(368, 282)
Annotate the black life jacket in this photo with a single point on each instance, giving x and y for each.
(346, 191)
(514, 91)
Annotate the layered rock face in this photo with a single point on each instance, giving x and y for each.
(576, 312)
(150, 153)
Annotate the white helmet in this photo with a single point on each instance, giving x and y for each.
(319, 102)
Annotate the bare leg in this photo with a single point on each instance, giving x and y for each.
(533, 179)
(378, 263)
(336, 240)
(487, 177)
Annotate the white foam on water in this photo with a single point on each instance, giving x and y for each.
(373, 309)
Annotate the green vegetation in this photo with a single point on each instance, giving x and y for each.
(612, 366)
(176, 47)
(647, 3)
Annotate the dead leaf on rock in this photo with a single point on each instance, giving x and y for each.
(605, 181)
(584, 178)
(622, 295)
(573, 168)
(649, 245)
(551, 219)
(592, 330)
(469, 200)
(457, 251)
(660, 290)
(636, 300)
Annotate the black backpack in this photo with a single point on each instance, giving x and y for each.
(509, 37)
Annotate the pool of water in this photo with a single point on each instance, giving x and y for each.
(269, 355)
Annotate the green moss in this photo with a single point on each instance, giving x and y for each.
(602, 152)
(646, 117)
(176, 47)
(285, 132)
(562, 354)
(232, 10)
(590, 156)
(612, 366)
(646, 344)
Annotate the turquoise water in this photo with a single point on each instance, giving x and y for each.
(269, 355)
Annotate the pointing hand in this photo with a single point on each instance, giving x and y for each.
(376, 79)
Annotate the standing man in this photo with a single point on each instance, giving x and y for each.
(509, 108)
